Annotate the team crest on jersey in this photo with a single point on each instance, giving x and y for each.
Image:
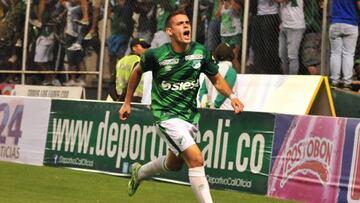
(196, 64)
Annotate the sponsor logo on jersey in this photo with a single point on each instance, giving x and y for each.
(180, 86)
(194, 57)
(311, 155)
(169, 62)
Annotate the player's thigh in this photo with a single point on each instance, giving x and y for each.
(177, 133)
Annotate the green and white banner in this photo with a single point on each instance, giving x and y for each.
(89, 135)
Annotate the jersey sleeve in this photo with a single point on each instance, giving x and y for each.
(209, 67)
(203, 90)
(147, 60)
(230, 78)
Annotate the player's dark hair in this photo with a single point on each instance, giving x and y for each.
(174, 13)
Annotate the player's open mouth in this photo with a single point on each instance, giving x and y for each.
(187, 33)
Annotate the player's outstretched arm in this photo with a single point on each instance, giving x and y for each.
(221, 85)
(134, 80)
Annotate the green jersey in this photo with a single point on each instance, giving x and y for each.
(176, 80)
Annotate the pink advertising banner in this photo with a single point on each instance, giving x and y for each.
(307, 158)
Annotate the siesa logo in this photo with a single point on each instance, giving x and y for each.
(180, 85)
(311, 155)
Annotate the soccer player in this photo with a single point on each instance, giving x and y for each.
(176, 67)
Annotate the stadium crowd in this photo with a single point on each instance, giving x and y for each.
(284, 35)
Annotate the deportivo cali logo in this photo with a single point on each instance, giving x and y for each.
(196, 64)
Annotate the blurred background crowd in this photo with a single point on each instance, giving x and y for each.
(66, 43)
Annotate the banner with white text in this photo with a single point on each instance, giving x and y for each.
(69, 92)
(89, 135)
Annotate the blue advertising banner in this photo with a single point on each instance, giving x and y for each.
(350, 169)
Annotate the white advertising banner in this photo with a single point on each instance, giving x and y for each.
(48, 91)
(23, 129)
(287, 94)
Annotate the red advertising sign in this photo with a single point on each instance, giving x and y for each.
(6, 89)
(308, 155)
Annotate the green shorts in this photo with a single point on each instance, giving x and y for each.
(232, 40)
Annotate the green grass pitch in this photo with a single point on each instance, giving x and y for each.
(25, 183)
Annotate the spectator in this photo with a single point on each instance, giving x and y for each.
(163, 10)
(40, 9)
(291, 32)
(85, 13)
(265, 24)
(343, 35)
(122, 27)
(75, 57)
(124, 67)
(212, 35)
(208, 95)
(45, 44)
(311, 45)
(81, 26)
(3, 6)
(147, 19)
(357, 50)
(96, 8)
(44, 55)
(11, 34)
(230, 27)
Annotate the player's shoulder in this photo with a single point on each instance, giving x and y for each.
(198, 46)
(199, 51)
(161, 49)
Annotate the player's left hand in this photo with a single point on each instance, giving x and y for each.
(237, 105)
(125, 111)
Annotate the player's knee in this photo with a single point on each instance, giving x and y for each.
(175, 167)
(196, 162)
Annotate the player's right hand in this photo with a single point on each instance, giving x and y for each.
(124, 111)
(237, 105)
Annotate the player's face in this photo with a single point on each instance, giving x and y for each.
(180, 29)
